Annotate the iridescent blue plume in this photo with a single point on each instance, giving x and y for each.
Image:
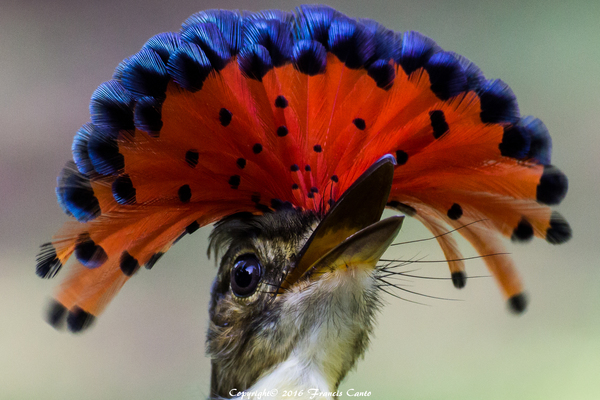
(446, 75)
(416, 50)
(351, 42)
(75, 194)
(88, 253)
(498, 102)
(255, 61)
(516, 142)
(211, 40)
(164, 44)
(189, 66)
(383, 73)
(475, 78)
(388, 43)
(553, 186)
(79, 148)
(313, 22)
(103, 151)
(541, 142)
(309, 57)
(118, 73)
(229, 23)
(112, 106)
(272, 34)
(145, 75)
(147, 115)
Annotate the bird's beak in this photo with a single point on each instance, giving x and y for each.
(351, 233)
(361, 250)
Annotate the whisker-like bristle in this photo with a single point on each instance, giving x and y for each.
(382, 288)
(397, 286)
(438, 236)
(445, 260)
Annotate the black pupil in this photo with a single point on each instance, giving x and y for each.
(244, 273)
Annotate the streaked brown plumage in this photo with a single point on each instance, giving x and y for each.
(317, 328)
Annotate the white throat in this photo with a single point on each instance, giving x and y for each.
(327, 339)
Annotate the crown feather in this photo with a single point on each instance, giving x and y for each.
(255, 112)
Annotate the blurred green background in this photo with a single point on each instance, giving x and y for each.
(149, 344)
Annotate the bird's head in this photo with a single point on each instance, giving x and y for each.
(294, 300)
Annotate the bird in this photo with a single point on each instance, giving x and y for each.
(291, 132)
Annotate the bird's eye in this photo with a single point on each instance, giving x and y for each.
(245, 275)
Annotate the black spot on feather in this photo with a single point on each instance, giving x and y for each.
(401, 157)
(523, 231)
(359, 123)
(184, 193)
(455, 212)
(191, 158)
(128, 264)
(518, 303)
(403, 208)
(559, 230)
(438, 123)
(281, 102)
(282, 131)
(56, 315)
(155, 257)
(78, 320)
(459, 279)
(191, 228)
(234, 181)
(225, 116)
(553, 186)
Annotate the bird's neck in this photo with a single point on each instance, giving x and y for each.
(314, 366)
(323, 355)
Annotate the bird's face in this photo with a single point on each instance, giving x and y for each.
(294, 300)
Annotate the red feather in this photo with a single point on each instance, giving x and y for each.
(249, 152)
